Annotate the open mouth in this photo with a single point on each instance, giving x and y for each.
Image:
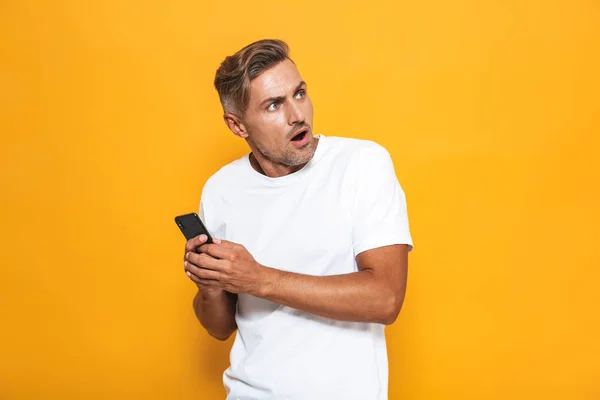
(300, 135)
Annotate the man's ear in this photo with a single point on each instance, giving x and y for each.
(235, 124)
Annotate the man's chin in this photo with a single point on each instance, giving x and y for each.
(300, 156)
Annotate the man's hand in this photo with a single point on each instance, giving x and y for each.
(209, 288)
(214, 307)
(224, 265)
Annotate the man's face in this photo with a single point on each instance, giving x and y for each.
(279, 117)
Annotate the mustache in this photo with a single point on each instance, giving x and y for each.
(298, 127)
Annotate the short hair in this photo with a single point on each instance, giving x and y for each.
(235, 73)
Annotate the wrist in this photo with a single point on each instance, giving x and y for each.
(265, 281)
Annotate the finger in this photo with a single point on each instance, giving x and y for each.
(203, 260)
(201, 273)
(226, 243)
(195, 242)
(192, 277)
(216, 251)
(204, 283)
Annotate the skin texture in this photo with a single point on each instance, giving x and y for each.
(279, 107)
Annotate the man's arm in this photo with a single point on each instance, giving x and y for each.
(213, 306)
(373, 294)
(215, 309)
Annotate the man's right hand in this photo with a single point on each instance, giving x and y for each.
(214, 307)
(193, 245)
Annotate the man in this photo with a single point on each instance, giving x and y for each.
(315, 239)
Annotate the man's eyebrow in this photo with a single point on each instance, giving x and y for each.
(270, 100)
(279, 99)
(299, 86)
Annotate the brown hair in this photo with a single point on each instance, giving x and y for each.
(235, 73)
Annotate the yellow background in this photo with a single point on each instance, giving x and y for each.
(110, 127)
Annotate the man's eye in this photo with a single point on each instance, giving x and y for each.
(300, 94)
(273, 107)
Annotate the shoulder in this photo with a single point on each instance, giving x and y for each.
(355, 146)
(359, 151)
(227, 178)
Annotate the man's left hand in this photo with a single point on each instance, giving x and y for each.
(227, 265)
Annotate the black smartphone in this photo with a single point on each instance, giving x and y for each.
(191, 226)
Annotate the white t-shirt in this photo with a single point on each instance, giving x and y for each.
(315, 221)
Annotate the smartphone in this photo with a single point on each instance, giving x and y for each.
(191, 226)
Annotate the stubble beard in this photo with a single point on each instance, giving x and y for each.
(290, 156)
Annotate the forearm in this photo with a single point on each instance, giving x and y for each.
(359, 296)
(216, 312)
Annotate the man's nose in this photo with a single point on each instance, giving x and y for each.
(296, 114)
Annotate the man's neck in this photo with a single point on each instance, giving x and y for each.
(273, 170)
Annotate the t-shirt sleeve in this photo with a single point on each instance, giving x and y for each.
(204, 211)
(379, 215)
(209, 213)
